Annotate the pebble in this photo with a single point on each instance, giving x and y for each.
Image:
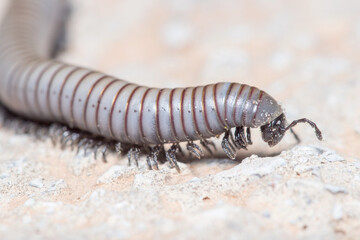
(335, 189)
(38, 183)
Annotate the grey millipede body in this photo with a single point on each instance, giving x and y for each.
(36, 86)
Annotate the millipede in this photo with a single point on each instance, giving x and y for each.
(100, 111)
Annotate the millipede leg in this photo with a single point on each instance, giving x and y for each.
(148, 161)
(206, 147)
(95, 150)
(63, 139)
(40, 132)
(66, 140)
(88, 145)
(240, 139)
(56, 133)
(248, 136)
(180, 149)
(152, 157)
(81, 144)
(194, 149)
(155, 159)
(75, 140)
(53, 133)
(134, 151)
(129, 156)
(119, 147)
(103, 153)
(227, 147)
(171, 157)
(206, 143)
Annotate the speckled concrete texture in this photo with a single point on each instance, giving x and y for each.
(305, 53)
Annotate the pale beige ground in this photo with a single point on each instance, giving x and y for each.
(304, 53)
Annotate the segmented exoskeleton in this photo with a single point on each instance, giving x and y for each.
(37, 87)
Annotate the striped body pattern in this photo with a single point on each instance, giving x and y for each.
(38, 87)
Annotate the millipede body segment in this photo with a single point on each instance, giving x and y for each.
(38, 87)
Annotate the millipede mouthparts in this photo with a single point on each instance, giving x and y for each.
(37, 87)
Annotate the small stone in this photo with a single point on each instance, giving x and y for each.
(335, 189)
(38, 183)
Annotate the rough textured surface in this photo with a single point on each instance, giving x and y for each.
(304, 53)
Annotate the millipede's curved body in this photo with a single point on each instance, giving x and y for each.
(37, 87)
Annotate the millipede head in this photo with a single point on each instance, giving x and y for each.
(273, 132)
